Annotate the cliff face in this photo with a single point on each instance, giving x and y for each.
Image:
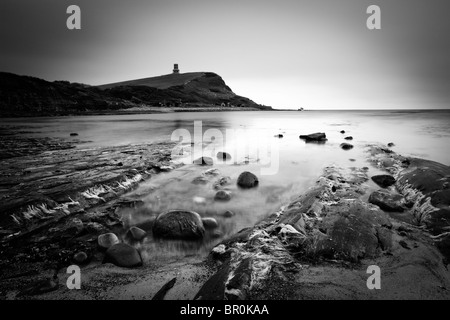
(28, 96)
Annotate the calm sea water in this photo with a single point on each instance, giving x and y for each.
(286, 166)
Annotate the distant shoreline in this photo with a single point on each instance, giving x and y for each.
(163, 110)
(136, 112)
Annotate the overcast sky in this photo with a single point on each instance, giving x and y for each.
(316, 54)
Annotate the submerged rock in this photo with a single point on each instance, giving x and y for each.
(204, 161)
(73, 134)
(384, 180)
(107, 240)
(318, 136)
(223, 156)
(228, 214)
(221, 182)
(222, 195)
(348, 138)
(123, 255)
(136, 234)
(200, 180)
(179, 224)
(342, 131)
(279, 135)
(387, 201)
(211, 172)
(247, 180)
(346, 146)
(199, 200)
(210, 223)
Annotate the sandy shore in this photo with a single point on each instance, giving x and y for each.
(55, 203)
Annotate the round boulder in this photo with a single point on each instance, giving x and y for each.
(107, 240)
(123, 255)
(210, 223)
(222, 195)
(346, 146)
(223, 156)
(179, 224)
(247, 180)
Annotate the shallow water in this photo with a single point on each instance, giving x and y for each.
(285, 166)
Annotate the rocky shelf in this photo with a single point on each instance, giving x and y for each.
(319, 246)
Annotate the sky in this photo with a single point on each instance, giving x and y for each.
(315, 54)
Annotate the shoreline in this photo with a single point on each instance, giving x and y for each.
(137, 112)
(218, 109)
(305, 248)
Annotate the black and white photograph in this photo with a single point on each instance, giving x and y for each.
(240, 151)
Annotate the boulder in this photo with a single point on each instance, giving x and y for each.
(136, 234)
(179, 224)
(247, 180)
(432, 179)
(390, 144)
(342, 131)
(204, 161)
(346, 146)
(317, 137)
(73, 134)
(210, 223)
(222, 195)
(348, 138)
(107, 240)
(279, 135)
(223, 156)
(351, 231)
(384, 180)
(123, 255)
(387, 201)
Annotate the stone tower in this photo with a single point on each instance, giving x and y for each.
(175, 68)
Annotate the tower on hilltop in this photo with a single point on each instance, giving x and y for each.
(175, 68)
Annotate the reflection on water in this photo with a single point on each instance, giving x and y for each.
(250, 138)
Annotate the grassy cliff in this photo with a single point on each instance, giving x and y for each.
(28, 96)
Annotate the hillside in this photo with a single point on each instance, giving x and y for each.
(29, 96)
(161, 82)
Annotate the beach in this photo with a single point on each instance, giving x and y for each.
(66, 181)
